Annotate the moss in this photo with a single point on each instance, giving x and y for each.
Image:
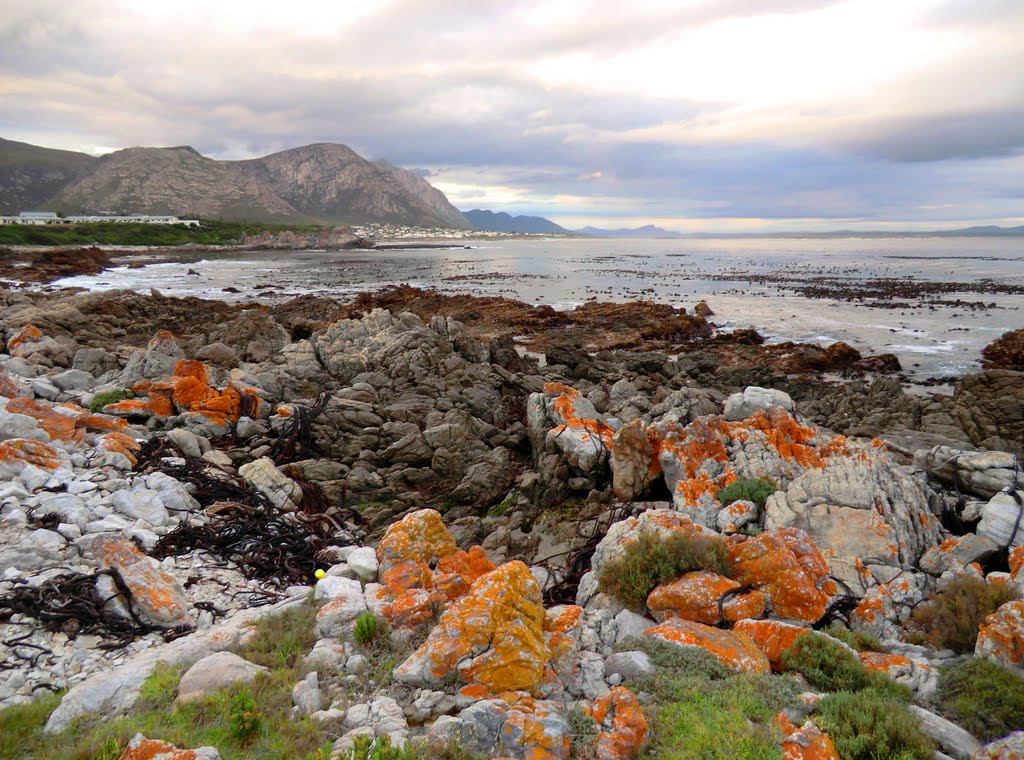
(756, 490)
(652, 560)
(950, 618)
(829, 666)
(500, 510)
(871, 725)
(103, 398)
(983, 697)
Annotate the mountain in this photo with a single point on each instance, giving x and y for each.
(489, 221)
(30, 175)
(647, 231)
(430, 195)
(322, 183)
(333, 182)
(172, 181)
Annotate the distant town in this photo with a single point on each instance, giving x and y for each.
(51, 217)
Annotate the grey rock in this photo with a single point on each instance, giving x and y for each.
(629, 625)
(306, 694)
(956, 742)
(187, 442)
(141, 504)
(739, 406)
(999, 518)
(214, 671)
(629, 664)
(481, 723)
(264, 476)
(983, 473)
(20, 426)
(960, 551)
(73, 380)
(363, 562)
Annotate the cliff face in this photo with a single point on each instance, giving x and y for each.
(172, 181)
(325, 182)
(334, 182)
(30, 175)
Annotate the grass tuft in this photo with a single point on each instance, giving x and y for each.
(871, 725)
(982, 697)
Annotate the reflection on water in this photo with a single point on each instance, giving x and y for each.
(929, 339)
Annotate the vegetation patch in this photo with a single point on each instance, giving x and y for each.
(652, 560)
(583, 731)
(103, 398)
(829, 666)
(859, 640)
(950, 618)
(983, 697)
(872, 725)
(368, 629)
(208, 232)
(241, 721)
(756, 490)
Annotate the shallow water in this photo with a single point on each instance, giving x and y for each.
(930, 340)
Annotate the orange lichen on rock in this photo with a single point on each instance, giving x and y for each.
(526, 729)
(624, 727)
(191, 368)
(25, 451)
(419, 536)
(121, 443)
(785, 564)
(154, 749)
(733, 649)
(807, 743)
(1016, 560)
(27, 334)
(59, 426)
(885, 663)
(564, 405)
(1001, 636)
(773, 637)
(8, 387)
(492, 636)
(697, 596)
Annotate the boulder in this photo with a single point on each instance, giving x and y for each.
(622, 725)
(739, 406)
(1001, 637)
(280, 490)
(1001, 519)
(634, 460)
(983, 473)
(705, 597)
(492, 636)
(734, 650)
(141, 748)
(214, 672)
(1008, 748)
(956, 552)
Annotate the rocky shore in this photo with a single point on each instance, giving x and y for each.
(444, 497)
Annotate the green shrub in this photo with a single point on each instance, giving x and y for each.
(871, 725)
(368, 628)
(583, 731)
(982, 697)
(950, 618)
(829, 666)
(859, 640)
(245, 720)
(103, 398)
(652, 560)
(756, 490)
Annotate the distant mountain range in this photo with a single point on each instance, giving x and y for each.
(647, 231)
(321, 183)
(490, 221)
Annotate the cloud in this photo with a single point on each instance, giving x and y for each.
(714, 110)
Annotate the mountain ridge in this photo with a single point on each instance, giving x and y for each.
(326, 183)
(500, 221)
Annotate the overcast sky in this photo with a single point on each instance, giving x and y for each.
(694, 115)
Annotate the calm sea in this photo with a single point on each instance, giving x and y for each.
(930, 339)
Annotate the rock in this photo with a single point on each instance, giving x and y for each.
(561, 420)
(740, 406)
(983, 473)
(363, 562)
(773, 637)
(188, 442)
(280, 490)
(787, 566)
(141, 504)
(734, 650)
(956, 552)
(885, 609)
(628, 664)
(21, 426)
(141, 748)
(623, 727)
(384, 716)
(629, 625)
(535, 729)
(808, 743)
(213, 672)
(952, 739)
(660, 522)
(859, 507)
(1008, 748)
(913, 672)
(306, 694)
(492, 636)
(634, 461)
(156, 596)
(337, 618)
(73, 380)
(1000, 517)
(737, 515)
(1001, 637)
(705, 597)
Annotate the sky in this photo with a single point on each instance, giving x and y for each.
(695, 115)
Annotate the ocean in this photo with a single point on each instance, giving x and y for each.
(934, 302)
